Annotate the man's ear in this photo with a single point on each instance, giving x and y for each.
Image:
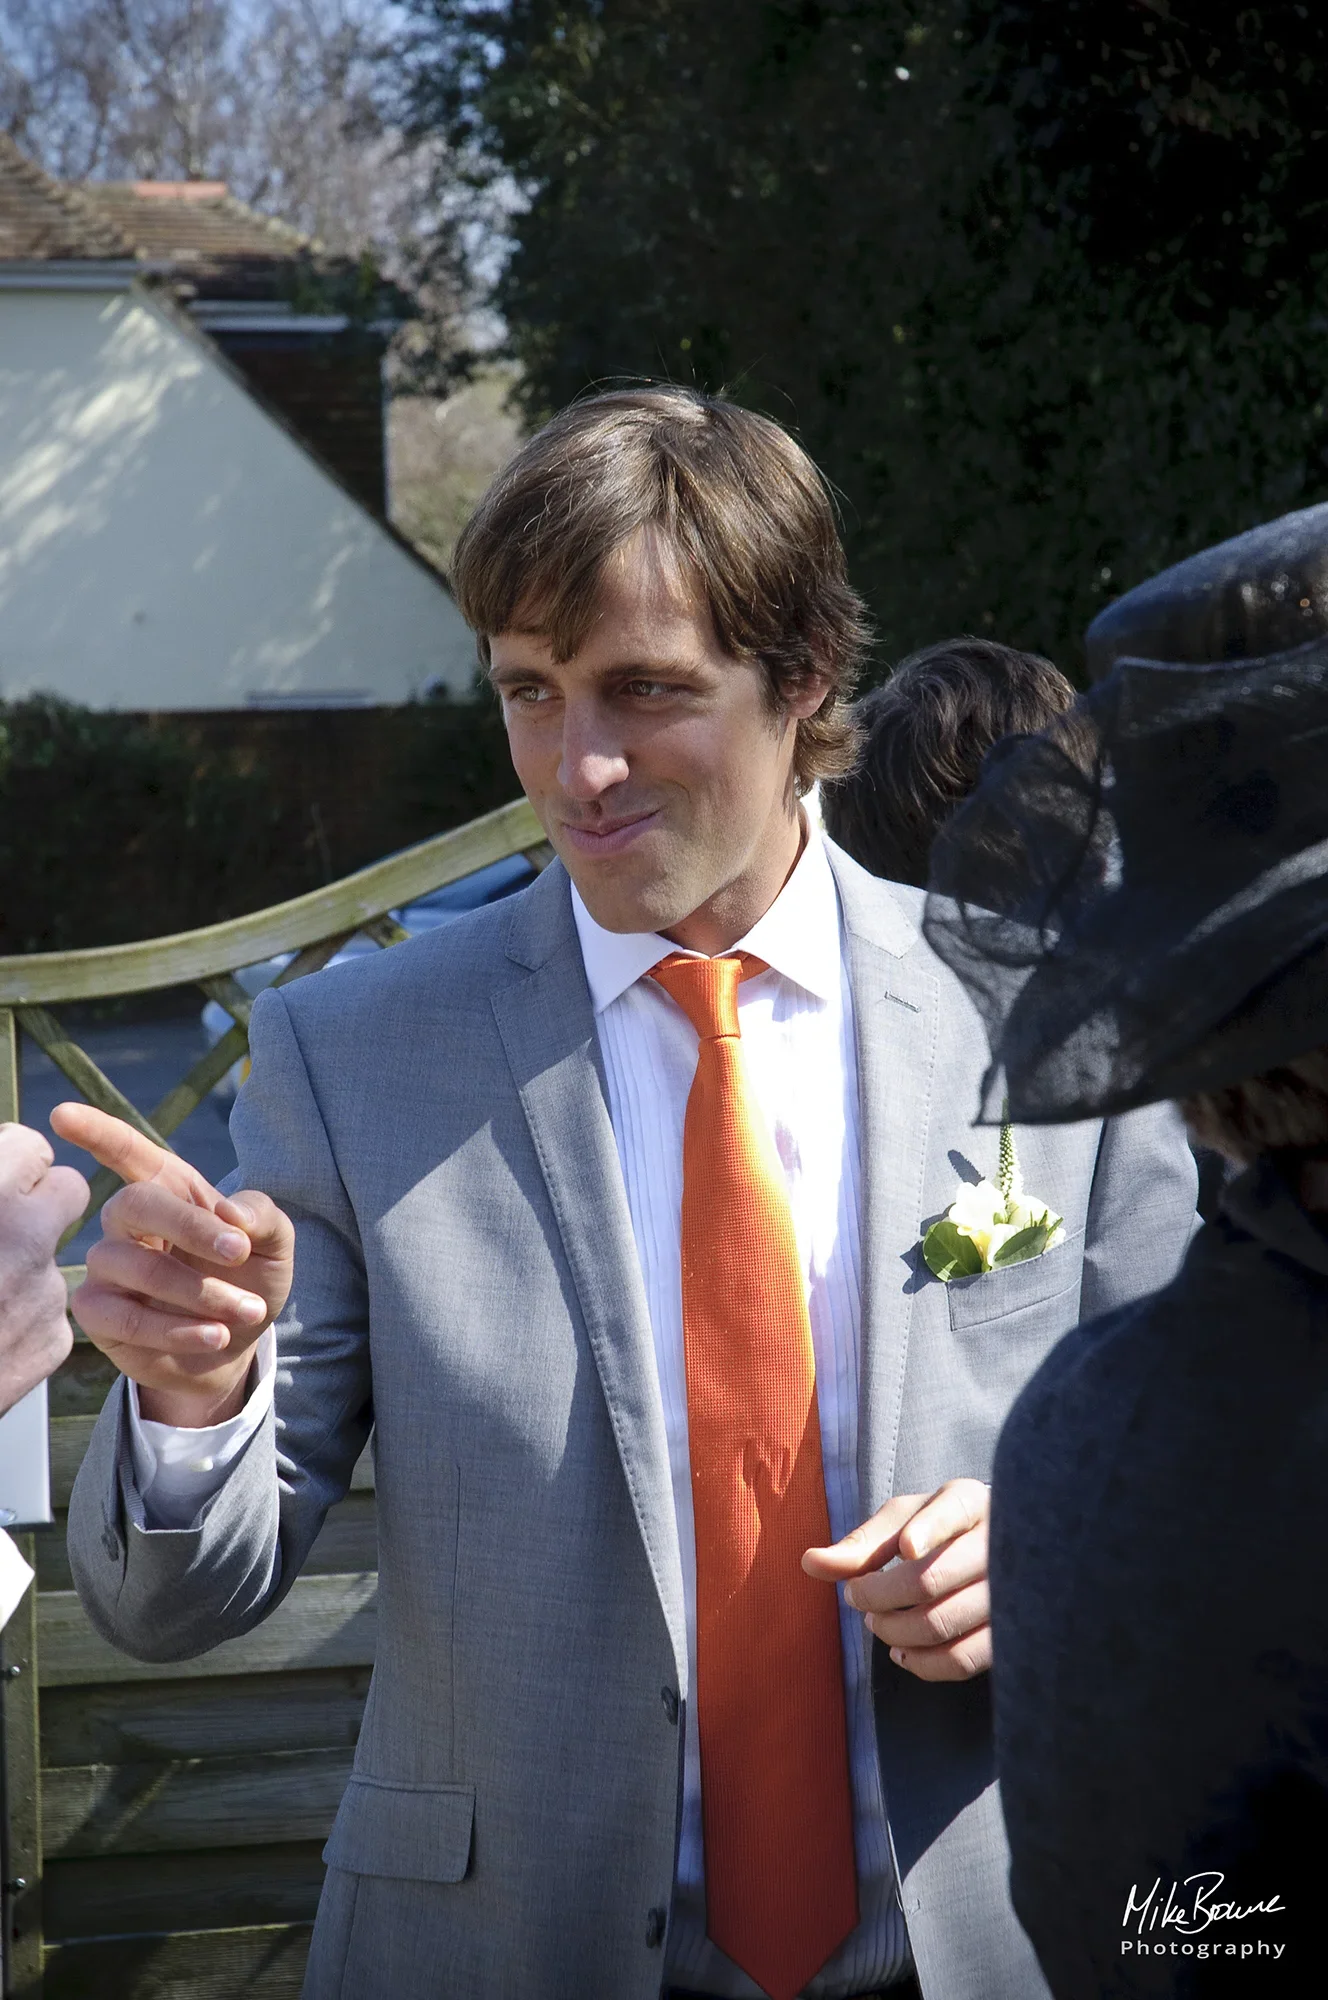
(808, 695)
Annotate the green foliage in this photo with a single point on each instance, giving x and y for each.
(351, 285)
(1127, 342)
(111, 829)
(450, 764)
(117, 827)
(949, 1253)
(1029, 1242)
(1042, 288)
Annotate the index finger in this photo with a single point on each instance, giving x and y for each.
(867, 1547)
(127, 1153)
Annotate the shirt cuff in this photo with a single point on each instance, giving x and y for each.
(177, 1471)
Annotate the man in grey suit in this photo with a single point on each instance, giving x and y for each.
(468, 1216)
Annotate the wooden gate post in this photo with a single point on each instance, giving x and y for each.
(20, 1763)
(22, 1797)
(219, 1894)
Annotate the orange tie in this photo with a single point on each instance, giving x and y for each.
(781, 1884)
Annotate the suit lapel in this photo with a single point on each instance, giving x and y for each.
(547, 1027)
(896, 997)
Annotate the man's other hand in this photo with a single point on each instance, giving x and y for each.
(184, 1279)
(38, 1201)
(917, 1571)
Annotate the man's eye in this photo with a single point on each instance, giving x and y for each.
(527, 696)
(647, 688)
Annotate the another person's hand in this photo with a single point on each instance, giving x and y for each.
(38, 1201)
(930, 1606)
(184, 1279)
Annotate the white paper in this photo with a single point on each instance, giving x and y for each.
(15, 1576)
(25, 1463)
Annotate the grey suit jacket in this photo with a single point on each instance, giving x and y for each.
(466, 1282)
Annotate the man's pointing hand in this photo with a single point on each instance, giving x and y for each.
(184, 1279)
(917, 1571)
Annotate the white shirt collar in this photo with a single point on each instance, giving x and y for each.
(797, 937)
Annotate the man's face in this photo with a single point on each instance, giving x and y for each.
(655, 763)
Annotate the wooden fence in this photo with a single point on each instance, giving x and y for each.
(163, 1824)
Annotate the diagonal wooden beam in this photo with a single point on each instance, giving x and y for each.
(194, 1085)
(313, 958)
(227, 991)
(387, 931)
(82, 1072)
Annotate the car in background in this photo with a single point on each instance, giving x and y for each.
(427, 913)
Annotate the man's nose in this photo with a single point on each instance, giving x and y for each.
(593, 760)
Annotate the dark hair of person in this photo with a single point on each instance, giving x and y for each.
(1284, 1110)
(925, 733)
(740, 504)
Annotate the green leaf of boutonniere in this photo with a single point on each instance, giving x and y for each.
(949, 1253)
(1029, 1242)
(991, 1225)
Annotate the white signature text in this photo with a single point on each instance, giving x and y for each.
(1192, 1906)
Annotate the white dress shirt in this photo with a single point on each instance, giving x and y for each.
(798, 1045)
(176, 1472)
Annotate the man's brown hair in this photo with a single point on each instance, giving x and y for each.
(741, 505)
(926, 732)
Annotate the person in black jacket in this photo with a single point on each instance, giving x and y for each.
(1138, 902)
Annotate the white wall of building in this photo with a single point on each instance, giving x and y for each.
(166, 544)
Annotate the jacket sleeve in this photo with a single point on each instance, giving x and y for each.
(1141, 1213)
(169, 1593)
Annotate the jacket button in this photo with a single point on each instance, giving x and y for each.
(655, 1922)
(670, 1701)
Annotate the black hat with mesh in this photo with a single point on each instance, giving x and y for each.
(1137, 900)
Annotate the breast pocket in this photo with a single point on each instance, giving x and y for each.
(1038, 1281)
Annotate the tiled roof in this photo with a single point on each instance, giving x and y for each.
(208, 238)
(198, 246)
(194, 234)
(40, 219)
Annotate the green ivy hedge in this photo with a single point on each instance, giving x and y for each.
(115, 827)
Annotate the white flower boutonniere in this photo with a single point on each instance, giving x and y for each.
(987, 1227)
